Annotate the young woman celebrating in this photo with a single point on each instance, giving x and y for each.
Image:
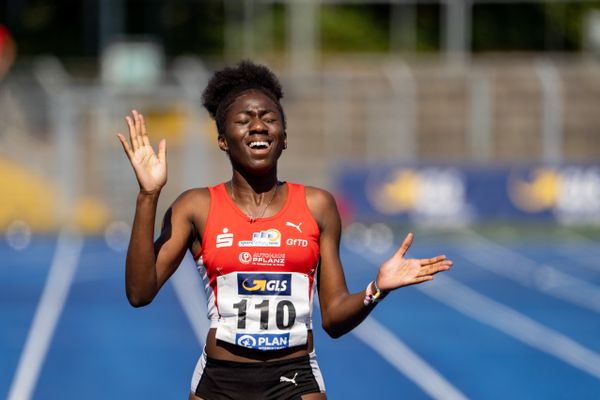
(265, 245)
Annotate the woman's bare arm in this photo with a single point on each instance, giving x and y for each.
(149, 264)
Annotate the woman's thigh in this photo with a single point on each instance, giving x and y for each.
(311, 396)
(314, 396)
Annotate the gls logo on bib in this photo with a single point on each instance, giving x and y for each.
(265, 284)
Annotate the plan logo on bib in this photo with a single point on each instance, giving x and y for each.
(263, 341)
(269, 238)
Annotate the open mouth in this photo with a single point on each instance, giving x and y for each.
(259, 145)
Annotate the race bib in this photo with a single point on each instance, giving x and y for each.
(263, 310)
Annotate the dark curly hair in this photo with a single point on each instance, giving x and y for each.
(228, 83)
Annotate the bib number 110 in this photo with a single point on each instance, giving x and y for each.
(283, 307)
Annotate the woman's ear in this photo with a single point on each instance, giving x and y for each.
(223, 143)
(284, 140)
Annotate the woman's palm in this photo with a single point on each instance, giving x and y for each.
(150, 168)
(399, 271)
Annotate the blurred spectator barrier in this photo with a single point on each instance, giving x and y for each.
(456, 195)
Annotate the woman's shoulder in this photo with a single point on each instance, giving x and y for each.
(199, 193)
(319, 200)
(317, 194)
(193, 199)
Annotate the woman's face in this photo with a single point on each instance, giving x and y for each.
(254, 136)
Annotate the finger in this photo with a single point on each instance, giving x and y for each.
(145, 137)
(438, 267)
(162, 151)
(138, 127)
(132, 133)
(136, 121)
(433, 260)
(405, 245)
(125, 145)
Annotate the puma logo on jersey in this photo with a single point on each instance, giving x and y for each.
(288, 223)
(224, 239)
(290, 380)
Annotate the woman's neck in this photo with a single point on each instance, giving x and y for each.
(252, 188)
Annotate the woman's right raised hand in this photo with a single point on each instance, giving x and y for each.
(150, 169)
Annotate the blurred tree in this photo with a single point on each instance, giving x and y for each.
(181, 26)
(70, 28)
(356, 28)
(530, 26)
(567, 20)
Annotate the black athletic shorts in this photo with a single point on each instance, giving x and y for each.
(270, 380)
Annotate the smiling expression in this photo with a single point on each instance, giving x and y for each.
(254, 136)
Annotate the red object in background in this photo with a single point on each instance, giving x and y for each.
(7, 50)
(4, 38)
(344, 208)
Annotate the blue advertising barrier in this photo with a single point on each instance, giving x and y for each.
(568, 194)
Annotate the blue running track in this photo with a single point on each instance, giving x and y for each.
(514, 319)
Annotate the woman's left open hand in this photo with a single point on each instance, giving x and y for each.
(399, 271)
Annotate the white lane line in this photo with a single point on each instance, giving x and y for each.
(393, 350)
(513, 323)
(49, 309)
(188, 288)
(398, 354)
(525, 271)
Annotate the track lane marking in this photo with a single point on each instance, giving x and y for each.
(392, 349)
(47, 313)
(513, 323)
(398, 354)
(507, 320)
(510, 264)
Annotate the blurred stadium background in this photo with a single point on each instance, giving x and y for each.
(474, 123)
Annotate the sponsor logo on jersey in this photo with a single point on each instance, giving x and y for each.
(265, 284)
(269, 238)
(263, 341)
(261, 258)
(297, 242)
(274, 259)
(245, 257)
(298, 227)
(225, 239)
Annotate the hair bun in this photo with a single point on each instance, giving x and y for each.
(232, 80)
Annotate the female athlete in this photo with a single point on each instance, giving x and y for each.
(265, 246)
